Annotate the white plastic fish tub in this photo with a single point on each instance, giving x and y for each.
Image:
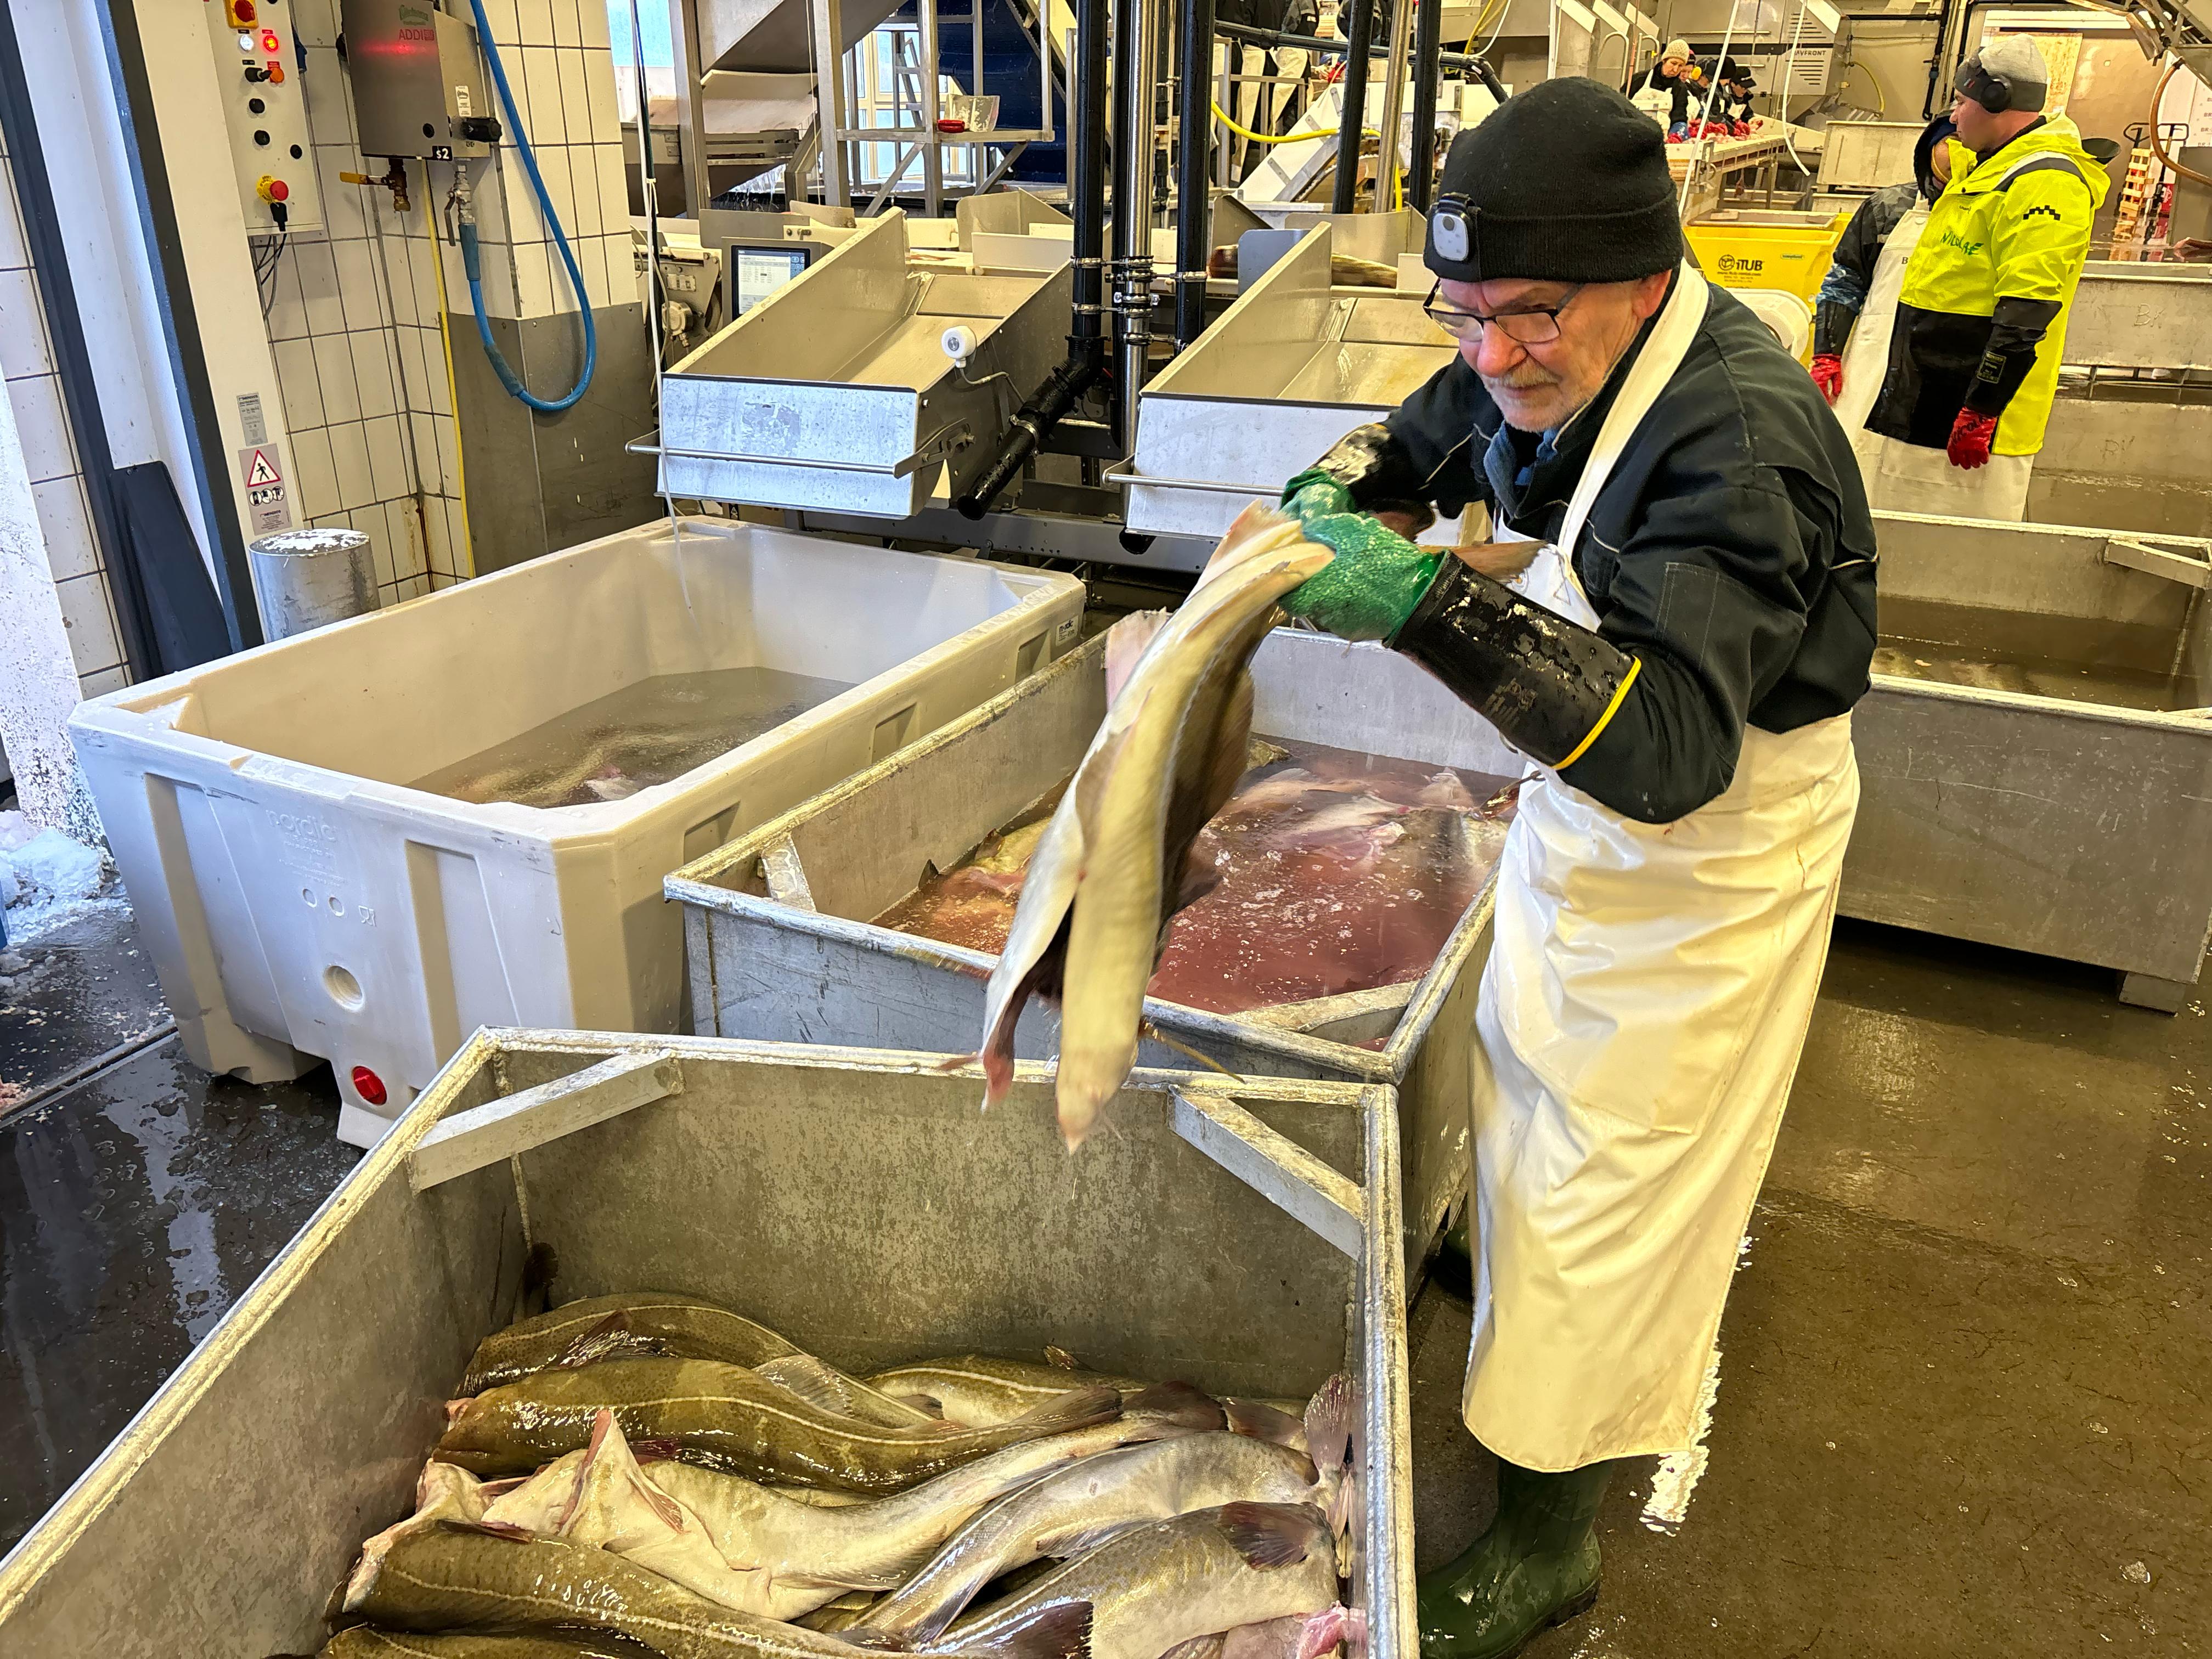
(1244, 1240)
(301, 902)
(781, 947)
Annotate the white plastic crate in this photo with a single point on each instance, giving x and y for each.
(301, 901)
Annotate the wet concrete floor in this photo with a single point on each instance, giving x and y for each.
(1961, 1407)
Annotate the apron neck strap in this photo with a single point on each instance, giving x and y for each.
(1680, 318)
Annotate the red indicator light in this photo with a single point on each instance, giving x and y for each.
(269, 41)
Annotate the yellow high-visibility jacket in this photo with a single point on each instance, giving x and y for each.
(2012, 227)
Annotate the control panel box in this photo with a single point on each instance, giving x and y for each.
(256, 68)
(420, 87)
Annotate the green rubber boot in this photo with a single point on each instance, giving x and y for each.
(1535, 1567)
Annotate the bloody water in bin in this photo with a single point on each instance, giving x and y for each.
(1333, 872)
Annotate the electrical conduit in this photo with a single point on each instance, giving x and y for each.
(472, 258)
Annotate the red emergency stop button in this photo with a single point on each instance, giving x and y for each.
(272, 190)
(241, 13)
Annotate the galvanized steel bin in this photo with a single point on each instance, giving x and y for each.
(781, 948)
(1245, 1240)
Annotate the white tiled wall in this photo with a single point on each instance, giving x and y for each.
(354, 324)
(57, 479)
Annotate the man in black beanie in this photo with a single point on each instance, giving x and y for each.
(1689, 620)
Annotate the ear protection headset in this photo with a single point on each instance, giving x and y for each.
(1997, 93)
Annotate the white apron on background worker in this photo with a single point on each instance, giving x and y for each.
(1641, 1014)
(1979, 323)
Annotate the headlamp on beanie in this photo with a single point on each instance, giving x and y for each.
(2006, 74)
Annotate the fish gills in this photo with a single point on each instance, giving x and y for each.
(726, 1417)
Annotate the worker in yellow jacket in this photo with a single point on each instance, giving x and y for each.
(1981, 321)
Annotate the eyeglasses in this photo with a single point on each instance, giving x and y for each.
(1529, 326)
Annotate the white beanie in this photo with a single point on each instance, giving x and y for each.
(1675, 49)
(2016, 58)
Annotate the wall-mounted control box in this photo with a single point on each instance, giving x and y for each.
(257, 70)
(420, 87)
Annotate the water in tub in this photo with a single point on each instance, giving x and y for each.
(648, 733)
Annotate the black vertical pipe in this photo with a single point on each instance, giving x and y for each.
(1086, 178)
(1428, 70)
(1194, 165)
(1359, 29)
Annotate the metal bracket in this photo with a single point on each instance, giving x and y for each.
(1129, 477)
(484, 1135)
(785, 876)
(1275, 1166)
(938, 446)
(2132, 555)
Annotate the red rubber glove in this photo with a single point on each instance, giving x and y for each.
(1828, 374)
(1971, 435)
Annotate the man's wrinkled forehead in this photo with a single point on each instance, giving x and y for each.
(1504, 294)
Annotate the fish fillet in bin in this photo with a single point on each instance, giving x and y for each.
(783, 945)
(1242, 1238)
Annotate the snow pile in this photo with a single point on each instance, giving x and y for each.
(45, 876)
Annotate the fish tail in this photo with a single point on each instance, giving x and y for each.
(1078, 1408)
(1270, 1536)
(1061, 1632)
(1328, 1424)
(1178, 1405)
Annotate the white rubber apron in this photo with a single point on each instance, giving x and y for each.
(1641, 1015)
(1902, 478)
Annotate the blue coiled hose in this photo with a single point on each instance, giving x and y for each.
(472, 260)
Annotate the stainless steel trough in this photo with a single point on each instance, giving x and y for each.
(836, 393)
(2075, 825)
(781, 945)
(1289, 368)
(1243, 1237)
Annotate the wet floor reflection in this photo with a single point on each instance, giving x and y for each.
(138, 1205)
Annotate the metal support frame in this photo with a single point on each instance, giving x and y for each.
(1393, 103)
(826, 25)
(1136, 83)
(1194, 201)
(691, 109)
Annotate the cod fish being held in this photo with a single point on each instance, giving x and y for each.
(1159, 1584)
(463, 1579)
(1108, 873)
(728, 1417)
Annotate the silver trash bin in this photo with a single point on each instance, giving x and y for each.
(303, 579)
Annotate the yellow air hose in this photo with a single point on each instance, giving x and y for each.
(467, 551)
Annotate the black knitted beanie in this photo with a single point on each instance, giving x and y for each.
(1566, 182)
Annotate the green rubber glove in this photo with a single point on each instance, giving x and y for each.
(1371, 587)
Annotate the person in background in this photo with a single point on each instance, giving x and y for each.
(1856, 310)
(1286, 65)
(1676, 77)
(1734, 104)
(1981, 314)
(1688, 626)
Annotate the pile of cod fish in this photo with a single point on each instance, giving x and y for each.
(649, 1473)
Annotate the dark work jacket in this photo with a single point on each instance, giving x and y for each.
(1730, 549)
(1659, 80)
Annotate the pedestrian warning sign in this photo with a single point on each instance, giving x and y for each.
(268, 508)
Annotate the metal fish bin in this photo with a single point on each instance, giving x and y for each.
(781, 947)
(835, 392)
(1244, 1238)
(2036, 757)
